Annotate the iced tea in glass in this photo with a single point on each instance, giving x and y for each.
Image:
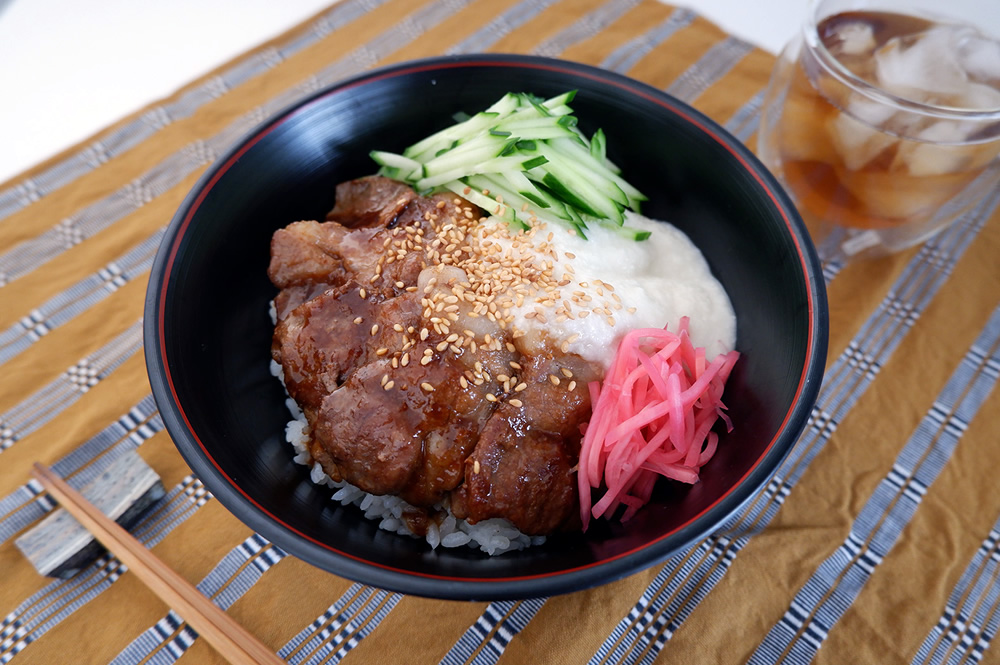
(882, 119)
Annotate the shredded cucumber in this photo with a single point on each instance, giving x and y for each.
(524, 160)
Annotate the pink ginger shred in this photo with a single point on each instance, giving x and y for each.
(652, 416)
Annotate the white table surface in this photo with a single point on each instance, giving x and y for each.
(63, 76)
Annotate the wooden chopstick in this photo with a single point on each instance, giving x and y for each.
(226, 636)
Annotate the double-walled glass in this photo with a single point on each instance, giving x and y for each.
(882, 119)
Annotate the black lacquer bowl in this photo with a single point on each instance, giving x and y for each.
(208, 333)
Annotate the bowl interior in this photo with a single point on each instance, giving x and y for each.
(208, 329)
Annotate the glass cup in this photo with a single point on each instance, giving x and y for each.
(882, 120)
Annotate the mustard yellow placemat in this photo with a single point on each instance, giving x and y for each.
(877, 542)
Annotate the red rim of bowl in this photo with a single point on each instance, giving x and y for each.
(499, 587)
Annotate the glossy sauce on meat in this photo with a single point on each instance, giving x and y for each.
(394, 338)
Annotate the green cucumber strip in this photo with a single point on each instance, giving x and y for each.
(444, 150)
(560, 110)
(519, 183)
(539, 107)
(514, 201)
(592, 194)
(435, 177)
(506, 104)
(519, 124)
(559, 100)
(534, 198)
(428, 183)
(539, 132)
(467, 155)
(581, 161)
(530, 152)
(389, 172)
(566, 194)
(509, 148)
(601, 183)
(628, 232)
(598, 146)
(392, 160)
(450, 135)
(530, 190)
(529, 164)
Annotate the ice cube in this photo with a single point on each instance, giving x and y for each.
(897, 196)
(979, 56)
(938, 151)
(923, 66)
(852, 42)
(869, 111)
(854, 38)
(854, 134)
(981, 97)
(926, 157)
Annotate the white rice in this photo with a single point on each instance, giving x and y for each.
(493, 536)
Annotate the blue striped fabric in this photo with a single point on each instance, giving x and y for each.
(486, 639)
(41, 407)
(53, 603)
(585, 27)
(823, 600)
(338, 630)
(170, 637)
(631, 52)
(970, 618)
(709, 68)
(505, 23)
(43, 610)
(78, 298)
